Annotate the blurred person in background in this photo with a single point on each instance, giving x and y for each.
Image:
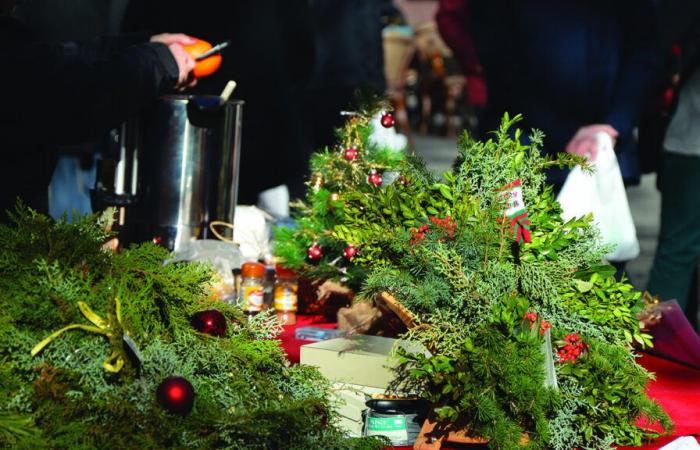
(678, 251)
(70, 92)
(453, 18)
(349, 58)
(72, 20)
(573, 69)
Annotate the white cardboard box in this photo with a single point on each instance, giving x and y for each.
(349, 402)
(361, 360)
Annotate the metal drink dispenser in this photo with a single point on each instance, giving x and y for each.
(176, 171)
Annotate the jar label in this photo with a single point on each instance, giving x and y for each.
(285, 299)
(252, 298)
(394, 428)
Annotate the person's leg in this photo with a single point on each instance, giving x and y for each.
(679, 238)
(69, 191)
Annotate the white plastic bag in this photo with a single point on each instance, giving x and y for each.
(603, 194)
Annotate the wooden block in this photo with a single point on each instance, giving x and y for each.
(432, 439)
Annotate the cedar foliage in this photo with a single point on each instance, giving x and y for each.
(444, 250)
(247, 396)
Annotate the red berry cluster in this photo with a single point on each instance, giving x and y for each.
(418, 234)
(446, 224)
(573, 349)
(532, 318)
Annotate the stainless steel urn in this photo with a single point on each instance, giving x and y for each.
(176, 171)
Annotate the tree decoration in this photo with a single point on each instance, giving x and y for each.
(316, 181)
(515, 211)
(315, 252)
(211, 322)
(350, 154)
(374, 178)
(387, 120)
(389, 177)
(176, 395)
(334, 197)
(101, 326)
(350, 252)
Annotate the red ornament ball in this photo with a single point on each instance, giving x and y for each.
(374, 178)
(176, 395)
(350, 154)
(315, 252)
(387, 120)
(350, 252)
(211, 322)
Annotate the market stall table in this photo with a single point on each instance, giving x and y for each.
(676, 388)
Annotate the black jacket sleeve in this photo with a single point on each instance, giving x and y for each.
(65, 93)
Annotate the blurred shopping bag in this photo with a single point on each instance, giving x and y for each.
(603, 194)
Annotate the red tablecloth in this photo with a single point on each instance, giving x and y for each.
(676, 388)
(293, 346)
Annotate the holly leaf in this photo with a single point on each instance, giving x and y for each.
(603, 270)
(582, 286)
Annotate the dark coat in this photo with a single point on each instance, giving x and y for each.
(348, 45)
(66, 93)
(564, 64)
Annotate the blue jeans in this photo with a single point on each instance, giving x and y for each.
(69, 191)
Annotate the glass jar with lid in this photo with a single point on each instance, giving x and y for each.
(251, 297)
(285, 295)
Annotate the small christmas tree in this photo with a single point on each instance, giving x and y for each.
(530, 333)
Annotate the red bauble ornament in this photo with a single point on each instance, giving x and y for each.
(176, 395)
(388, 120)
(350, 252)
(350, 154)
(374, 178)
(158, 240)
(315, 252)
(211, 322)
(403, 181)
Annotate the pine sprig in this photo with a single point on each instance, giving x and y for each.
(246, 394)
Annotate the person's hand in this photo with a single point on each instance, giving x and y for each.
(173, 38)
(185, 63)
(584, 142)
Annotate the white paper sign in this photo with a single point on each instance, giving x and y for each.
(682, 443)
